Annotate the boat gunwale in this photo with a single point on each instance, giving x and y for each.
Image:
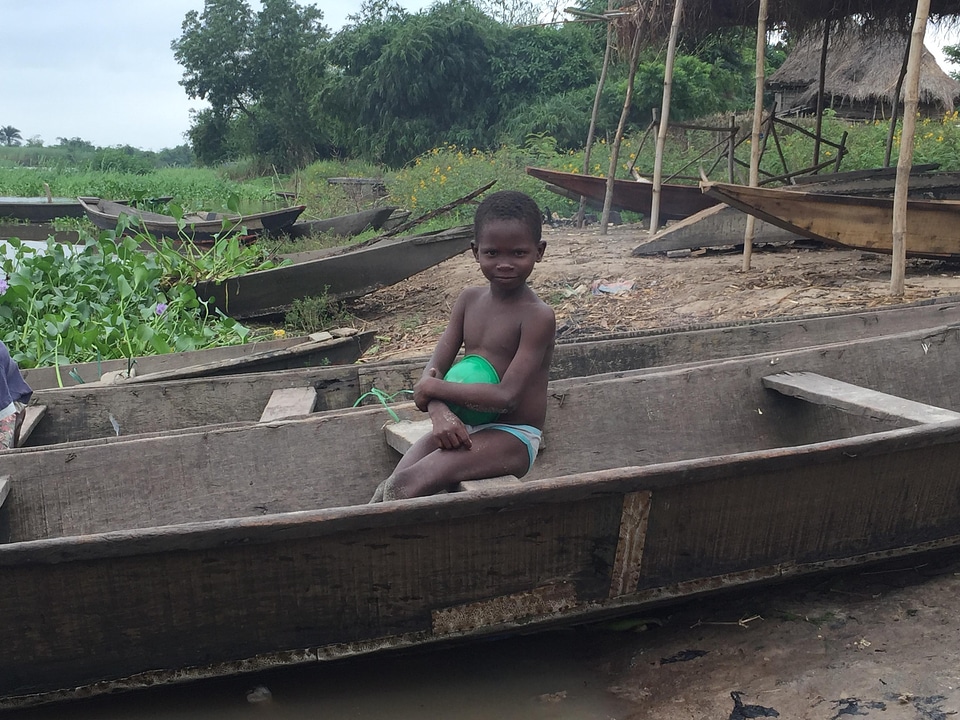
(299, 524)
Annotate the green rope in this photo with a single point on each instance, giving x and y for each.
(384, 399)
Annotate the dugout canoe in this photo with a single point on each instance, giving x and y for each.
(849, 221)
(342, 276)
(343, 225)
(90, 412)
(341, 346)
(199, 227)
(164, 559)
(676, 201)
(39, 209)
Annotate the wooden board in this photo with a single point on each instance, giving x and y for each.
(290, 402)
(854, 399)
(4, 488)
(32, 416)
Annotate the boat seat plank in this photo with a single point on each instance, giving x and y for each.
(32, 416)
(402, 435)
(4, 488)
(854, 399)
(289, 402)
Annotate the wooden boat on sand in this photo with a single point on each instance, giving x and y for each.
(676, 201)
(199, 227)
(849, 221)
(343, 345)
(39, 209)
(171, 558)
(343, 225)
(97, 411)
(349, 274)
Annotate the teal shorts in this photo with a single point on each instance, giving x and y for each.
(530, 436)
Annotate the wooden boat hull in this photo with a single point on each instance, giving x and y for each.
(123, 569)
(38, 232)
(39, 209)
(676, 201)
(199, 228)
(848, 221)
(84, 413)
(347, 275)
(261, 356)
(342, 225)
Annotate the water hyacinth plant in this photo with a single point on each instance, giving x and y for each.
(110, 299)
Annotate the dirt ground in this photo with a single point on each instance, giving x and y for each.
(596, 286)
(882, 643)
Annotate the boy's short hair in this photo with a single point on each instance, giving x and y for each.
(509, 205)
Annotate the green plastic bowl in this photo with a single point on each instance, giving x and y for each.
(472, 369)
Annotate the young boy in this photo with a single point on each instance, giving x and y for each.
(14, 396)
(508, 325)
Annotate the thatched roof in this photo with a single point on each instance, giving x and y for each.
(861, 66)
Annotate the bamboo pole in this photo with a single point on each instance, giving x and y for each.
(581, 211)
(821, 89)
(757, 124)
(664, 117)
(615, 148)
(911, 89)
(895, 111)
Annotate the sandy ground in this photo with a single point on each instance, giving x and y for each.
(881, 643)
(645, 292)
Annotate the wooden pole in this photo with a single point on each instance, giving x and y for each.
(664, 117)
(615, 147)
(820, 91)
(911, 90)
(757, 124)
(895, 111)
(581, 211)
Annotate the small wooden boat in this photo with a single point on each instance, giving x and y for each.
(319, 349)
(39, 209)
(92, 411)
(342, 225)
(164, 559)
(849, 221)
(676, 201)
(199, 227)
(345, 275)
(38, 232)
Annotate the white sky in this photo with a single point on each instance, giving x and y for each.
(103, 70)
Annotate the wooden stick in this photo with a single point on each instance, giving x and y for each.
(664, 117)
(757, 118)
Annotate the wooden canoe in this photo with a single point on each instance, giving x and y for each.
(38, 232)
(202, 227)
(319, 349)
(171, 558)
(342, 225)
(39, 209)
(342, 276)
(676, 201)
(89, 412)
(850, 221)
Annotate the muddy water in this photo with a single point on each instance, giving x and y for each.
(549, 676)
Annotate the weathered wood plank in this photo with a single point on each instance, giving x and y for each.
(290, 402)
(32, 416)
(854, 399)
(494, 483)
(402, 435)
(4, 488)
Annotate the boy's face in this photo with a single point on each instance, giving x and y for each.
(507, 253)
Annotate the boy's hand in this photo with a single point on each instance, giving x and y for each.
(421, 391)
(448, 430)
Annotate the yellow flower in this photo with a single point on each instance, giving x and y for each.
(279, 333)
(443, 179)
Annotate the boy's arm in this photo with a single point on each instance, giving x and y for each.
(536, 336)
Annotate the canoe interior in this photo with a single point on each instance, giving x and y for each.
(219, 551)
(84, 413)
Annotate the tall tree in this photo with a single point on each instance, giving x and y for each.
(9, 135)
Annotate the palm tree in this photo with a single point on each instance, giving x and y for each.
(9, 135)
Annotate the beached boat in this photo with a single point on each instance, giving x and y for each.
(341, 276)
(164, 559)
(96, 411)
(343, 345)
(676, 201)
(39, 209)
(850, 221)
(199, 227)
(343, 225)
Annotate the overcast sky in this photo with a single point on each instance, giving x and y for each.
(103, 70)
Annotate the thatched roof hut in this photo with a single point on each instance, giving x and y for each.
(861, 75)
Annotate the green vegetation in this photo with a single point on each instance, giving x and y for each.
(313, 314)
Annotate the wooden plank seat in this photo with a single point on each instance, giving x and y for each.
(402, 435)
(31, 417)
(4, 488)
(854, 399)
(289, 402)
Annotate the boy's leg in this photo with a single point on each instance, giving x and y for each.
(493, 453)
